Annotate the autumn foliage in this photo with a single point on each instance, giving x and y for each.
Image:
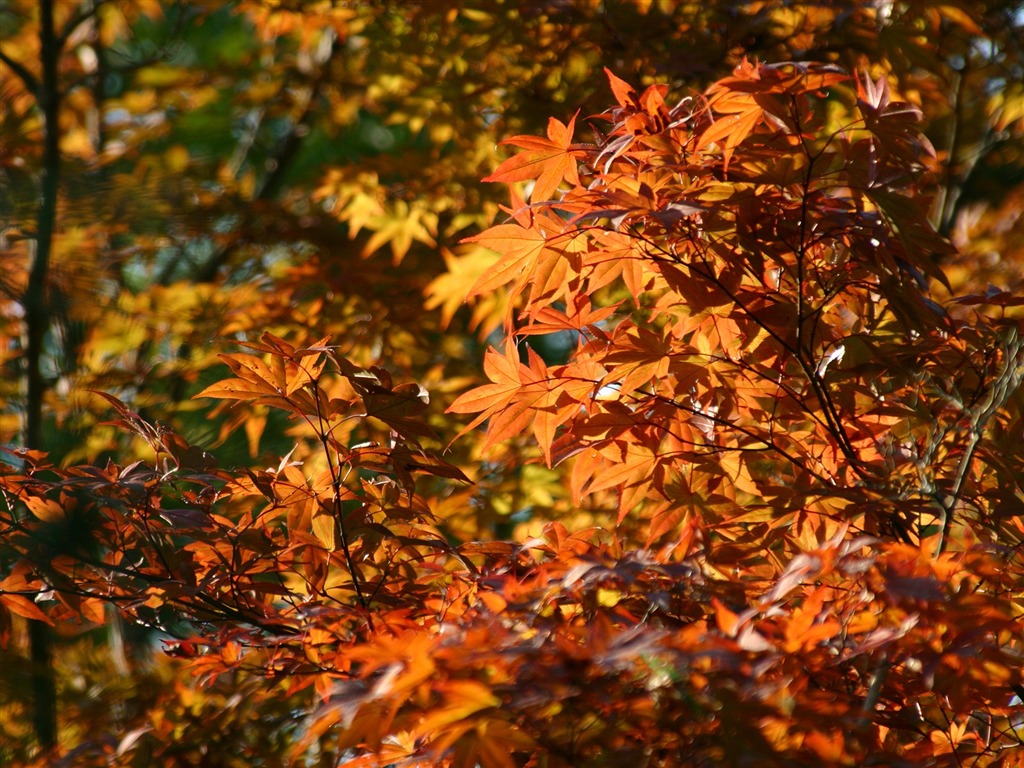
(761, 506)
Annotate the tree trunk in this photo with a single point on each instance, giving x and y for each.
(37, 324)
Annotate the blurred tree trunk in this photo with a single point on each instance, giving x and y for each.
(37, 325)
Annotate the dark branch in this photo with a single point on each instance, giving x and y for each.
(23, 74)
(78, 19)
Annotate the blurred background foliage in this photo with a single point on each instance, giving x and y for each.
(311, 169)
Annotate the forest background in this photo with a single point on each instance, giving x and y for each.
(325, 560)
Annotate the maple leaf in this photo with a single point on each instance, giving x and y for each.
(536, 250)
(505, 373)
(521, 397)
(578, 316)
(450, 290)
(624, 93)
(399, 228)
(549, 161)
(806, 627)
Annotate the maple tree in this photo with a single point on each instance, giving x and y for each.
(745, 466)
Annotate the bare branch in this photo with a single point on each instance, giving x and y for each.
(78, 19)
(23, 74)
(1006, 383)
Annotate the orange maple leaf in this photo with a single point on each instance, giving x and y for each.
(550, 161)
(522, 397)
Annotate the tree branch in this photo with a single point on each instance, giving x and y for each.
(1005, 385)
(23, 74)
